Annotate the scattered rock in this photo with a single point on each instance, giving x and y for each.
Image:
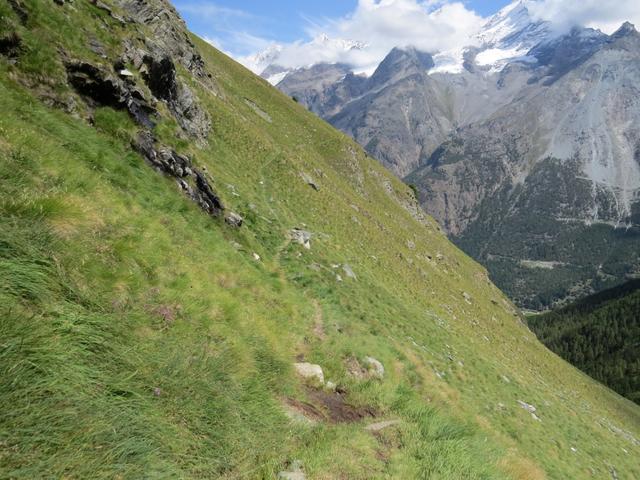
(348, 271)
(256, 257)
(302, 237)
(191, 181)
(309, 181)
(376, 369)
(310, 371)
(378, 427)
(234, 220)
(295, 472)
(157, 392)
(467, 297)
(529, 408)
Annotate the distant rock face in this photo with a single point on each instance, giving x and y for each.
(553, 177)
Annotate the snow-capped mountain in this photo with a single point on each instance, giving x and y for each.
(262, 60)
(273, 64)
(507, 36)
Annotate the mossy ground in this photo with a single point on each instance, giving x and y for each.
(139, 337)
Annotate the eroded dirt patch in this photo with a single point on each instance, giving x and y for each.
(330, 407)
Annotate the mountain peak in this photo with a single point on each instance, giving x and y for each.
(626, 29)
(512, 26)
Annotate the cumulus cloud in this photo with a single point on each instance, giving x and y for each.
(605, 15)
(365, 36)
(381, 25)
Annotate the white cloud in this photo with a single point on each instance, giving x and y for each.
(606, 15)
(364, 37)
(430, 26)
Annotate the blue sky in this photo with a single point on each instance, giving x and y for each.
(241, 27)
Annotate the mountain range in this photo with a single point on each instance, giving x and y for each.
(524, 146)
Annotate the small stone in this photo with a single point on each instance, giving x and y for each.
(157, 392)
(125, 73)
(234, 220)
(310, 371)
(309, 181)
(376, 369)
(466, 297)
(331, 386)
(256, 257)
(348, 271)
(302, 237)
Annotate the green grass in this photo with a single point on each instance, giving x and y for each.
(113, 284)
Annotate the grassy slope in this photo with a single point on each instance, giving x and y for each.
(113, 284)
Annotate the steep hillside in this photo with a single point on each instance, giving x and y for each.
(180, 244)
(600, 335)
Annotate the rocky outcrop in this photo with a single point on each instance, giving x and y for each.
(169, 34)
(100, 87)
(159, 73)
(191, 180)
